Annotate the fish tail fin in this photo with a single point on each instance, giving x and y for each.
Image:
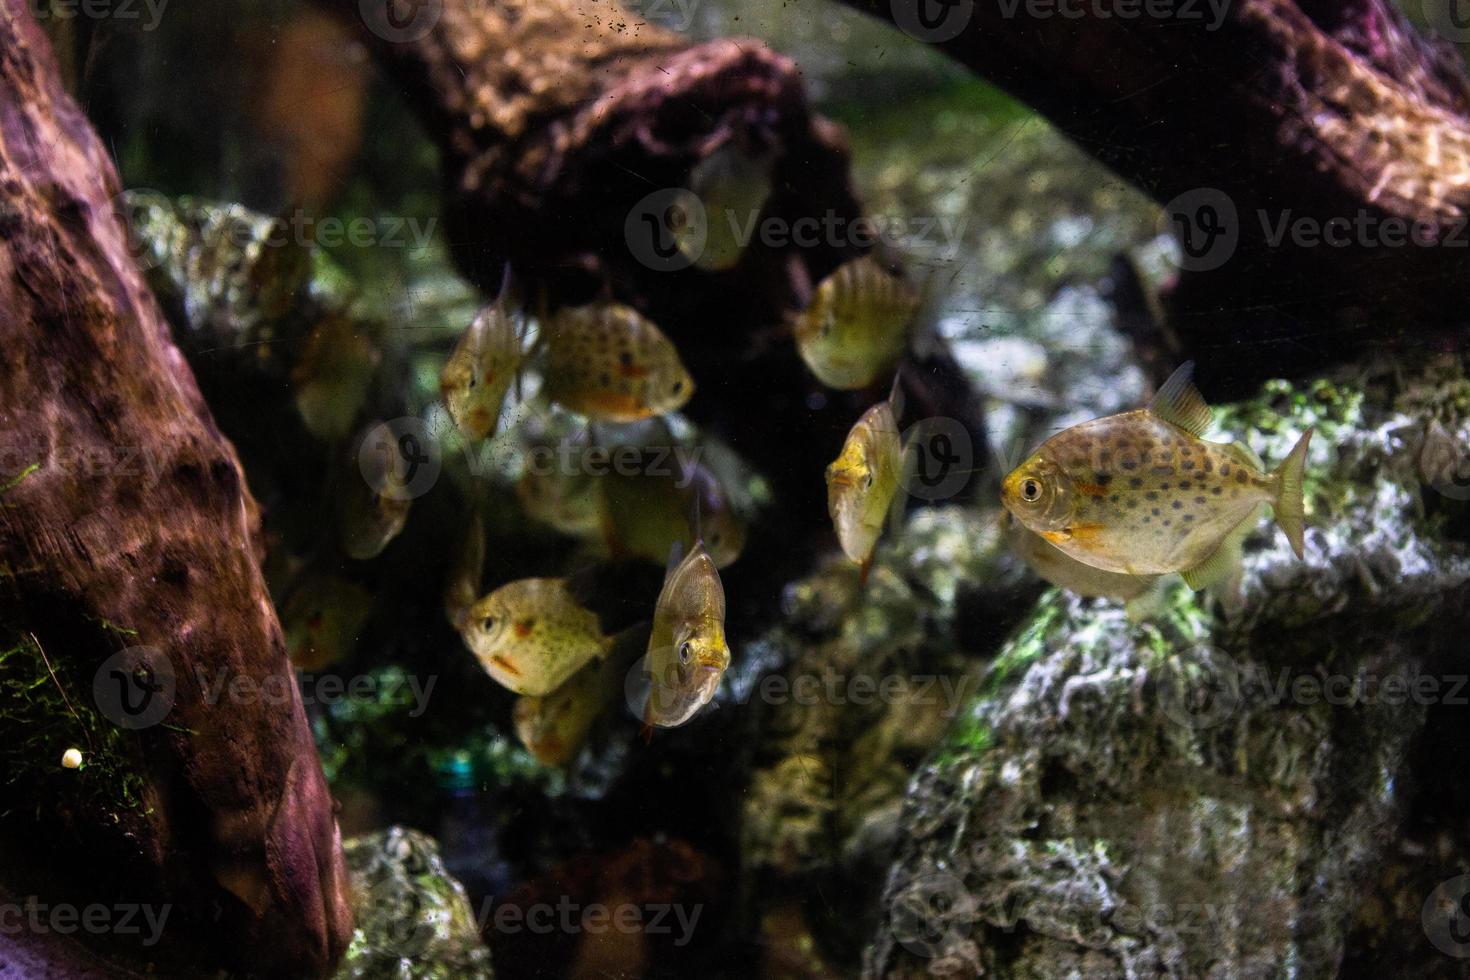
(1290, 510)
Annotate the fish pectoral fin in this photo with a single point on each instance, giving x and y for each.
(1224, 564)
(1179, 402)
(1221, 566)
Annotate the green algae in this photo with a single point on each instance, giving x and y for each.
(46, 713)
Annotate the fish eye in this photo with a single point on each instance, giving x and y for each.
(1030, 490)
(678, 387)
(686, 653)
(868, 482)
(487, 624)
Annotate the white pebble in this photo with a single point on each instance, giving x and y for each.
(71, 759)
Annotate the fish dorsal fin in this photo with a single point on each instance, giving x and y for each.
(696, 518)
(676, 555)
(1179, 402)
(895, 396)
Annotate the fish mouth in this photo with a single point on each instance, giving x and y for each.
(1010, 493)
(706, 680)
(670, 706)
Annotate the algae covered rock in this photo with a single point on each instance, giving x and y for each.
(849, 694)
(1231, 790)
(413, 918)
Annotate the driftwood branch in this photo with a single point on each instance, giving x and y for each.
(1300, 114)
(558, 119)
(128, 538)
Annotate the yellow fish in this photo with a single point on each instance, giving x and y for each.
(1143, 493)
(568, 502)
(608, 362)
(532, 635)
(322, 618)
(687, 653)
(732, 185)
(480, 370)
(464, 577)
(553, 727)
(856, 326)
(863, 482)
(374, 504)
(331, 378)
(1136, 592)
(644, 514)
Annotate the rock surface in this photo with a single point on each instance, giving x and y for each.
(413, 917)
(1217, 793)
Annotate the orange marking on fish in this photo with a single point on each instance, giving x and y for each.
(633, 370)
(1091, 489)
(524, 627)
(1086, 533)
(1056, 537)
(615, 402)
(505, 665)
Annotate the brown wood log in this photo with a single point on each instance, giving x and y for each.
(129, 540)
(558, 118)
(1319, 110)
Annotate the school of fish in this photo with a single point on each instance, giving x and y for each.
(1106, 508)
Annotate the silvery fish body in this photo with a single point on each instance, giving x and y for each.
(687, 652)
(856, 327)
(863, 482)
(532, 635)
(610, 363)
(1141, 493)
